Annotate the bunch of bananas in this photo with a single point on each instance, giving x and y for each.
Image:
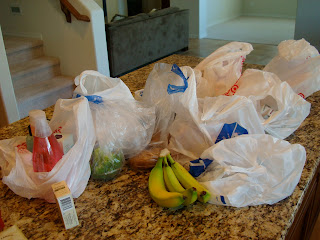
(172, 186)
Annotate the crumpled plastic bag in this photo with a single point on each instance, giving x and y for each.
(191, 136)
(280, 109)
(171, 90)
(297, 63)
(71, 116)
(253, 169)
(218, 72)
(122, 124)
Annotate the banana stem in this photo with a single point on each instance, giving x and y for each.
(165, 162)
(170, 159)
(203, 193)
(160, 161)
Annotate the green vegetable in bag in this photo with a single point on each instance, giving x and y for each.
(106, 166)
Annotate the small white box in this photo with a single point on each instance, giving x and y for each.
(66, 205)
(66, 141)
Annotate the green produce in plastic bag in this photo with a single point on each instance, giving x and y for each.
(106, 165)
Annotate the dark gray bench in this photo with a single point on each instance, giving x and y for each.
(138, 40)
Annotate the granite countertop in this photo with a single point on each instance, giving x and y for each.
(122, 208)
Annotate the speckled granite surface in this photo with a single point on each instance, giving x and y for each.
(123, 209)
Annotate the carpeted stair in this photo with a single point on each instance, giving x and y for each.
(36, 78)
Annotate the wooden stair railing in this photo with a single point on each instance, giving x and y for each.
(68, 9)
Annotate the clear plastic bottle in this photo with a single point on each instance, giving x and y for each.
(46, 149)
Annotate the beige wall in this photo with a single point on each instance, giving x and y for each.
(79, 45)
(270, 8)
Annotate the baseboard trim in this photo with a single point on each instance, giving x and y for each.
(267, 16)
(194, 36)
(222, 20)
(24, 34)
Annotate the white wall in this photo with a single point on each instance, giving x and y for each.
(307, 22)
(205, 13)
(193, 6)
(203, 17)
(79, 45)
(270, 8)
(218, 11)
(8, 105)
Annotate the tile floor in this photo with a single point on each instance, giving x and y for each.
(265, 30)
(261, 54)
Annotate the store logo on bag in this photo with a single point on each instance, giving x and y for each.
(22, 148)
(221, 199)
(242, 62)
(230, 131)
(92, 98)
(198, 166)
(58, 130)
(234, 88)
(173, 88)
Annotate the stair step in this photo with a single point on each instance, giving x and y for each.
(20, 49)
(44, 94)
(16, 44)
(34, 71)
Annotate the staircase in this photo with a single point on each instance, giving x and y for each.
(36, 79)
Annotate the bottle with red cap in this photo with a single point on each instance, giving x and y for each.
(46, 149)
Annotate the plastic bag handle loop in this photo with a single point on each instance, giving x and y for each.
(92, 98)
(81, 79)
(173, 88)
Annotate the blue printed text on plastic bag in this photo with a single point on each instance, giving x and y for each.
(92, 98)
(221, 199)
(198, 166)
(230, 131)
(173, 88)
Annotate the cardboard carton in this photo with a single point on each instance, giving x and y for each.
(66, 205)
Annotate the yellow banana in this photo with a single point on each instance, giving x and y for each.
(188, 181)
(170, 179)
(157, 189)
(191, 196)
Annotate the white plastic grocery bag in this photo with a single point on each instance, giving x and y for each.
(218, 111)
(218, 72)
(252, 169)
(121, 122)
(171, 90)
(280, 109)
(191, 136)
(71, 116)
(297, 63)
(91, 82)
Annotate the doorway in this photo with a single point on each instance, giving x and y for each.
(265, 22)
